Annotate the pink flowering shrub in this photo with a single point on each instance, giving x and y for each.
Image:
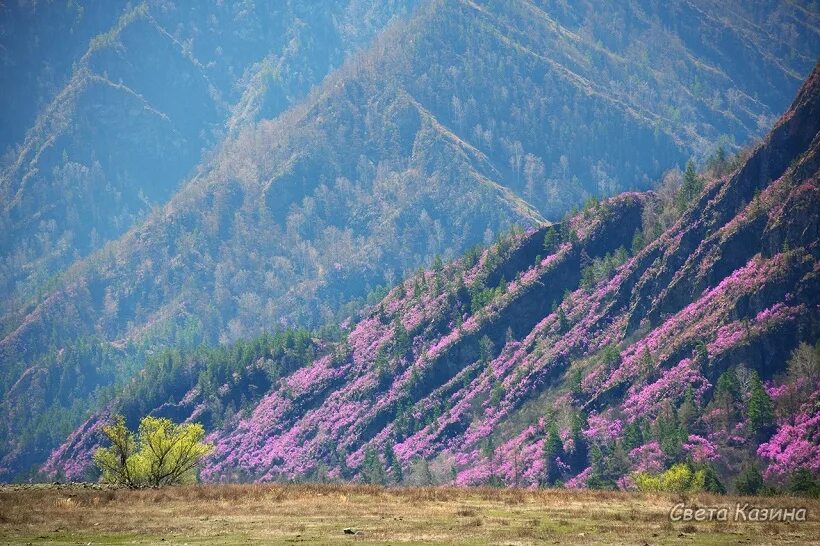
(603, 429)
(795, 445)
(72, 460)
(645, 401)
(580, 480)
(647, 458)
(700, 449)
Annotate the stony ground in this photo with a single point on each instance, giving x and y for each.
(311, 514)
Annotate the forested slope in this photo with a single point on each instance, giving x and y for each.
(450, 123)
(557, 354)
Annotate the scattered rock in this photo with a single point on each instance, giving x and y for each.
(349, 531)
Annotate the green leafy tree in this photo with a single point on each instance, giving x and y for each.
(162, 452)
(118, 463)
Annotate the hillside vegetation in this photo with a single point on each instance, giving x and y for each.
(650, 332)
(444, 125)
(150, 90)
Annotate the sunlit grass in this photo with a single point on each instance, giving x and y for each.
(283, 514)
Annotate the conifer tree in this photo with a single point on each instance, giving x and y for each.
(691, 187)
(393, 463)
(759, 410)
(633, 437)
(372, 468)
(553, 450)
(687, 413)
(580, 447)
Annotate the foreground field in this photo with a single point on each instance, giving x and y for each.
(287, 514)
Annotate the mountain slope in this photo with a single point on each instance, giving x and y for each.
(425, 91)
(720, 271)
(627, 362)
(140, 104)
(456, 123)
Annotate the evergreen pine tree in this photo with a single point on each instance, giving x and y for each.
(617, 465)
(691, 187)
(553, 449)
(551, 239)
(749, 481)
(759, 410)
(597, 475)
(401, 339)
(372, 468)
(633, 437)
(426, 474)
(726, 396)
(485, 350)
(580, 446)
(667, 432)
(711, 481)
(563, 323)
(392, 462)
(687, 413)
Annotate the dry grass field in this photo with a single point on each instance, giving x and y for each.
(319, 514)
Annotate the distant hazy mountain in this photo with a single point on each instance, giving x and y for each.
(134, 96)
(454, 122)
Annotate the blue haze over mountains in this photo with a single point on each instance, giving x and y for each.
(179, 173)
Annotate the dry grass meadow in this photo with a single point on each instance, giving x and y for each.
(319, 514)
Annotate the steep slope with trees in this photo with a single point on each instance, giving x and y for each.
(141, 93)
(556, 355)
(454, 124)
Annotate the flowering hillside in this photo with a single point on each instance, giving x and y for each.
(177, 175)
(556, 355)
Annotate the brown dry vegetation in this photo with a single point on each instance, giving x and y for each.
(265, 514)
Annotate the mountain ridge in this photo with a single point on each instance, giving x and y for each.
(583, 341)
(452, 125)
